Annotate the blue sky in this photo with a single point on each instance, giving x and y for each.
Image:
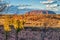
(34, 3)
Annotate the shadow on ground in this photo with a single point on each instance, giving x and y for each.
(30, 34)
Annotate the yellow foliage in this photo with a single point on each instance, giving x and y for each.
(15, 24)
(6, 25)
(19, 21)
(15, 21)
(21, 24)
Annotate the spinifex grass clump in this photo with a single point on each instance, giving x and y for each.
(14, 20)
(6, 25)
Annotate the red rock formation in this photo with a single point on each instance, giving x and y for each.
(40, 12)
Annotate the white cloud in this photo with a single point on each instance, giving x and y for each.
(1, 0)
(54, 5)
(24, 6)
(8, 5)
(21, 7)
(46, 2)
